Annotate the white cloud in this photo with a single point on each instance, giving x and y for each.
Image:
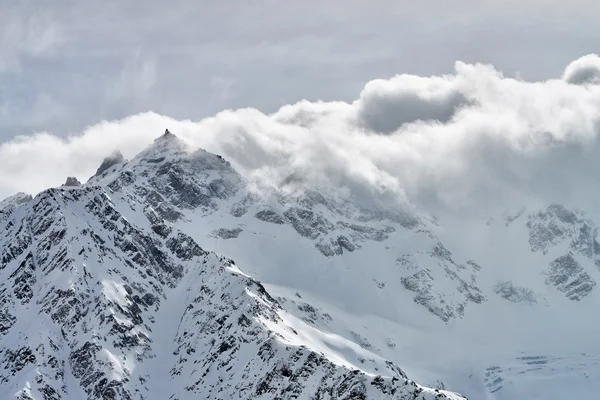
(385, 105)
(583, 70)
(506, 143)
(82, 55)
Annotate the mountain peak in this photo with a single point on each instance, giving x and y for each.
(166, 136)
(167, 143)
(114, 158)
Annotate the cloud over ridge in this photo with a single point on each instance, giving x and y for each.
(471, 138)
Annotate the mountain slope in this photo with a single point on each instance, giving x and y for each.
(96, 306)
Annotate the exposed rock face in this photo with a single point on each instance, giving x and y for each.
(559, 227)
(425, 282)
(270, 216)
(308, 216)
(569, 277)
(225, 233)
(557, 224)
(72, 181)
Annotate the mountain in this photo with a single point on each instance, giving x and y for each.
(170, 277)
(105, 296)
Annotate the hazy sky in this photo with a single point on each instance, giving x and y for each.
(65, 65)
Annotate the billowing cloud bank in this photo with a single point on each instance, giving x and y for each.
(473, 138)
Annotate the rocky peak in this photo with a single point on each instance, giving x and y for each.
(72, 181)
(168, 134)
(15, 200)
(167, 137)
(114, 158)
(166, 145)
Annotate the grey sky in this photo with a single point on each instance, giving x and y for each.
(65, 65)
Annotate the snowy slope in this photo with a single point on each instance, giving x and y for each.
(494, 308)
(99, 305)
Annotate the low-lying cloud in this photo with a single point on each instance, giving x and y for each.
(470, 139)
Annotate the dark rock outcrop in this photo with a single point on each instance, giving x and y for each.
(72, 181)
(113, 159)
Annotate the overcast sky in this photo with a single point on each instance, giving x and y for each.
(435, 104)
(65, 65)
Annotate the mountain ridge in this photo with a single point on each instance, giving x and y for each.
(456, 304)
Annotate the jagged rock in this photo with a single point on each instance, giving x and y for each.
(72, 181)
(569, 277)
(557, 224)
(445, 304)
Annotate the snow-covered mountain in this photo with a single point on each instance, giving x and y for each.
(170, 277)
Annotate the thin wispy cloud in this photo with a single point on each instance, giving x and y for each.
(133, 90)
(26, 35)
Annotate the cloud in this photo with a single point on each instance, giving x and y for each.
(583, 70)
(104, 62)
(26, 35)
(385, 105)
(480, 141)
